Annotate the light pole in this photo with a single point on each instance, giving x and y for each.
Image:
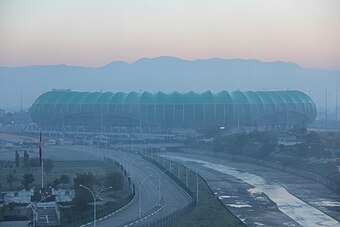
(159, 184)
(196, 187)
(95, 196)
(33, 208)
(131, 167)
(186, 177)
(140, 195)
(326, 114)
(33, 212)
(21, 101)
(336, 105)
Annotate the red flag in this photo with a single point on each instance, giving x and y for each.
(40, 151)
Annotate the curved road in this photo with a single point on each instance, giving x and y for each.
(173, 197)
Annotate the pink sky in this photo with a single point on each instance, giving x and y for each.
(94, 33)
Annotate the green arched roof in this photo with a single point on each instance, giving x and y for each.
(52, 103)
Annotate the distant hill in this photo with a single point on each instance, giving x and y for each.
(165, 74)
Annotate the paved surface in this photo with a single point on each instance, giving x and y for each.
(14, 224)
(145, 173)
(172, 196)
(248, 191)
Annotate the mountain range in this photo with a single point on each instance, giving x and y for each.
(163, 74)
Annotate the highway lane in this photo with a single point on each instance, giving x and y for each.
(257, 194)
(172, 196)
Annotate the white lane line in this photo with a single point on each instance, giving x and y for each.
(133, 199)
(142, 219)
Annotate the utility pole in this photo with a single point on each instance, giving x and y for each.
(186, 176)
(41, 161)
(336, 104)
(62, 119)
(21, 101)
(326, 114)
(196, 187)
(238, 115)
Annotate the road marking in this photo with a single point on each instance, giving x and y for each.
(134, 198)
(142, 219)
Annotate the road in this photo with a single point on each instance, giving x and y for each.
(172, 196)
(260, 196)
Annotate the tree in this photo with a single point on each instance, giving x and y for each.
(237, 143)
(48, 165)
(10, 179)
(82, 196)
(313, 137)
(17, 159)
(27, 180)
(56, 182)
(211, 131)
(26, 160)
(34, 162)
(8, 118)
(64, 179)
(114, 180)
(265, 150)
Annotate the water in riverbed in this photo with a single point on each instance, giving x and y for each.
(299, 211)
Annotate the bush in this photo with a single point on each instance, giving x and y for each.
(27, 180)
(83, 196)
(114, 180)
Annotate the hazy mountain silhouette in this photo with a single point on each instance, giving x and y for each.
(162, 73)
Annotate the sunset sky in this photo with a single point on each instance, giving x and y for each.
(94, 33)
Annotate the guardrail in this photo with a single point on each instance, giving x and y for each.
(87, 219)
(172, 217)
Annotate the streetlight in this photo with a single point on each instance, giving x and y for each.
(160, 177)
(33, 208)
(140, 195)
(33, 212)
(133, 167)
(95, 196)
(159, 184)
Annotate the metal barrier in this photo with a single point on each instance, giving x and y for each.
(163, 221)
(102, 212)
(170, 218)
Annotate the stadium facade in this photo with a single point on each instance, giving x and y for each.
(104, 110)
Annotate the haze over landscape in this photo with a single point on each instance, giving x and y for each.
(166, 74)
(71, 46)
(170, 113)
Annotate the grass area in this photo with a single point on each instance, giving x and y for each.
(209, 211)
(74, 216)
(69, 168)
(1, 213)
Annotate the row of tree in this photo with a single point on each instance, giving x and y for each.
(255, 144)
(83, 197)
(32, 162)
(27, 179)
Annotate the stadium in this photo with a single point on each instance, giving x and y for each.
(95, 111)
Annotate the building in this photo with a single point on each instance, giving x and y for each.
(58, 109)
